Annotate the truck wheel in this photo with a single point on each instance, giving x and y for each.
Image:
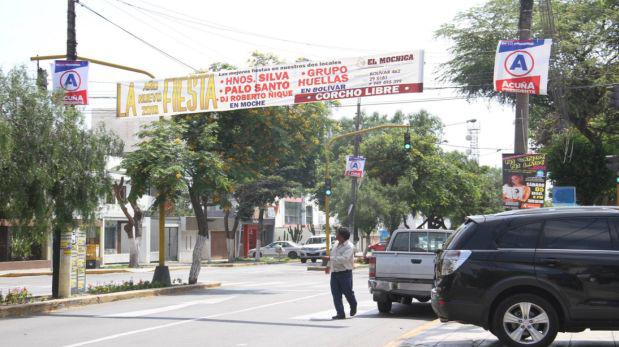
(303, 260)
(407, 301)
(313, 260)
(424, 299)
(292, 255)
(384, 306)
(525, 320)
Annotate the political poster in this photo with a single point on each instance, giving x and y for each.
(281, 85)
(354, 166)
(524, 180)
(521, 66)
(72, 77)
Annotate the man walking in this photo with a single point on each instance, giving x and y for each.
(340, 266)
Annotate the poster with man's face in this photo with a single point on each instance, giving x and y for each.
(524, 180)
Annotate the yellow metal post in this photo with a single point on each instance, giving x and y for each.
(162, 235)
(96, 61)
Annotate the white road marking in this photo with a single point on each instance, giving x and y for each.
(163, 326)
(327, 314)
(141, 313)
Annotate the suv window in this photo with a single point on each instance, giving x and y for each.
(418, 241)
(580, 233)
(400, 243)
(523, 236)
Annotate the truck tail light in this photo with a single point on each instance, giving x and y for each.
(372, 262)
(451, 260)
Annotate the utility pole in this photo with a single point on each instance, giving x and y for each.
(71, 55)
(521, 125)
(354, 179)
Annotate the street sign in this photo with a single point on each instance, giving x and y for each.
(563, 196)
(280, 85)
(72, 77)
(521, 66)
(354, 166)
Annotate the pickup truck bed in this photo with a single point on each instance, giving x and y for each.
(407, 272)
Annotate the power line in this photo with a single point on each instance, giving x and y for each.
(137, 37)
(217, 26)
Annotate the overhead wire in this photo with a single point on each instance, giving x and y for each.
(136, 37)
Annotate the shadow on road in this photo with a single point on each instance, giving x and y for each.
(212, 320)
(421, 311)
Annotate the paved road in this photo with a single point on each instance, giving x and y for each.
(274, 305)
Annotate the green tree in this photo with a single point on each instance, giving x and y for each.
(584, 60)
(171, 162)
(54, 168)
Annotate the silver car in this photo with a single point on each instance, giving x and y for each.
(289, 249)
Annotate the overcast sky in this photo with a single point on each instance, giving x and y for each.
(199, 33)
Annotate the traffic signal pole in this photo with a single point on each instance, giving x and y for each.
(521, 135)
(354, 185)
(328, 145)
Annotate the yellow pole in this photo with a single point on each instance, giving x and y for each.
(96, 61)
(162, 234)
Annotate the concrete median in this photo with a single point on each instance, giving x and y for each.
(57, 304)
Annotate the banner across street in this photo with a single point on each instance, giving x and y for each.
(281, 85)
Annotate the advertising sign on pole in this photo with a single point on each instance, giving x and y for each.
(354, 166)
(281, 85)
(72, 77)
(524, 180)
(521, 66)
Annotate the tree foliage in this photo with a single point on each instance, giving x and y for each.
(53, 166)
(585, 59)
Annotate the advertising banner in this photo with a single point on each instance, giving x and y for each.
(72, 77)
(354, 166)
(281, 85)
(522, 66)
(524, 180)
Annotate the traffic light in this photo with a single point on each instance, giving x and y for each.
(407, 141)
(613, 101)
(328, 190)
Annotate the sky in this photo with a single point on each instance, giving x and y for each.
(199, 33)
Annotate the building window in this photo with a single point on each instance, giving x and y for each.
(111, 237)
(293, 213)
(309, 215)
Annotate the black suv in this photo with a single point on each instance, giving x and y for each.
(525, 275)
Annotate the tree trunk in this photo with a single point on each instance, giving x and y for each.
(260, 230)
(229, 236)
(199, 209)
(235, 230)
(134, 223)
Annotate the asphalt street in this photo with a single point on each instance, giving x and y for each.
(273, 305)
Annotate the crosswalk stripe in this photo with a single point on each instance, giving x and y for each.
(147, 312)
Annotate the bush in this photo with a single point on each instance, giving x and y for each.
(127, 286)
(16, 296)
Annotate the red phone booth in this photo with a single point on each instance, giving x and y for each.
(250, 234)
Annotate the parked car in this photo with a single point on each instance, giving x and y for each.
(406, 269)
(290, 249)
(315, 247)
(525, 275)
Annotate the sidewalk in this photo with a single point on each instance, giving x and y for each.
(147, 268)
(459, 335)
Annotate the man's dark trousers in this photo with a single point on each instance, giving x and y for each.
(341, 283)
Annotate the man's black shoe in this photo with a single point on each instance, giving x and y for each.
(353, 311)
(338, 317)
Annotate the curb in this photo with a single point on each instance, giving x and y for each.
(52, 305)
(412, 333)
(322, 268)
(127, 270)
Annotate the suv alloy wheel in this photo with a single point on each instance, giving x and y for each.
(525, 320)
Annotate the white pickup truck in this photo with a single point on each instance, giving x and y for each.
(406, 269)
